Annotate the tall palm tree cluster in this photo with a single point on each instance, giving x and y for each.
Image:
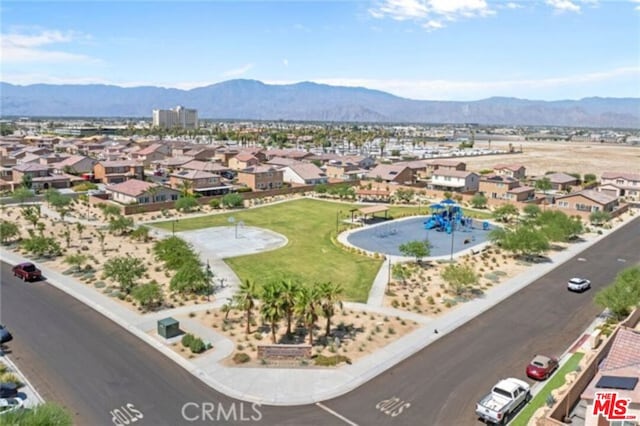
(289, 301)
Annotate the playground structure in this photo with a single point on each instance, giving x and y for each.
(447, 217)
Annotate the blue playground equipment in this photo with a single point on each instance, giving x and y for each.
(447, 217)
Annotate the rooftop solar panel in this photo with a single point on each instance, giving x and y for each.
(615, 382)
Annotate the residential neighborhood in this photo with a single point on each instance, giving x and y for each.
(320, 213)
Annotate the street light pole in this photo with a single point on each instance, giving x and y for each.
(452, 223)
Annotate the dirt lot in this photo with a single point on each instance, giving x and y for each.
(541, 157)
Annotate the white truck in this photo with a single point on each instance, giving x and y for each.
(505, 398)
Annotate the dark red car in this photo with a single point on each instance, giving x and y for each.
(27, 271)
(541, 367)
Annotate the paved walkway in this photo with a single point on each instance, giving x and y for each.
(256, 384)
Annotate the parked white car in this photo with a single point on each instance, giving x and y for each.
(578, 284)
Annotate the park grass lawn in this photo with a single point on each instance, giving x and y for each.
(310, 255)
(540, 399)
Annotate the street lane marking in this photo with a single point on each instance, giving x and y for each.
(338, 415)
(393, 406)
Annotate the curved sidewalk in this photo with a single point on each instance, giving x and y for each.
(256, 384)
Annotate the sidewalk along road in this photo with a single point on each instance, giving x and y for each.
(106, 376)
(441, 384)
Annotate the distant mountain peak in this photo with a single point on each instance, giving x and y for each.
(310, 101)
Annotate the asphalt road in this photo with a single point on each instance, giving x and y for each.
(78, 358)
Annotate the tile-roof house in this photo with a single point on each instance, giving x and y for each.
(620, 373)
(304, 174)
(118, 171)
(200, 182)
(205, 166)
(585, 202)
(154, 152)
(391, 173)
(621, 184)
(288, 153)
(495, 186)
(41, 176)
(29, 158)
(172, 163)
(134, 191)
(242, 161)
(75, 164)
(202, 153)
(561, 181)
(282, 162)
(261, 177)
(455, 180)
(516, 171)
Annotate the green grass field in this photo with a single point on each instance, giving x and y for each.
(541, 398)
(310, 255)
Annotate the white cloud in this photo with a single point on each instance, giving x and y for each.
(285, 62)
(638, 4)
(33, 46)
(472, 90)
(564, 5)
(430, 13)
(432, 24)
(512, 5)
(236, 72)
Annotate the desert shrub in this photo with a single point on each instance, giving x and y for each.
(187, 339)
(241, 358)
(197, 345)
(10, 378)
(330, 361)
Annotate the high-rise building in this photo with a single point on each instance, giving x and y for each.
(178, 117)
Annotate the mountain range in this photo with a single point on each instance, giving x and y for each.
(306, 101)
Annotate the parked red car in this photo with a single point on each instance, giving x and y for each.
(541, 367)
(27, 271)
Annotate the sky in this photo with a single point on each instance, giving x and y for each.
(418, 49)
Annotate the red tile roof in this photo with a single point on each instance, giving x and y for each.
(132, 187)
(625, 350)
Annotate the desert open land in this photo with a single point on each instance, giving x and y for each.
(570, 157)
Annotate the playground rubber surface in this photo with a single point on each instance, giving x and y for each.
(387, 237)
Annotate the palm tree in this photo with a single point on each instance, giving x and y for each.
(79, 227)
(186, 187)
(307, 300)
(245, 299)
(289, 291)
(329, 298)
(272, 307)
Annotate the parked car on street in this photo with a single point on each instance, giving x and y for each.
(27, 271)
(579, 284)
(8, 405)
(5, 336)
(541, 367)
(506, 397)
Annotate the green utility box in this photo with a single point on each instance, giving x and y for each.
(168, 328)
